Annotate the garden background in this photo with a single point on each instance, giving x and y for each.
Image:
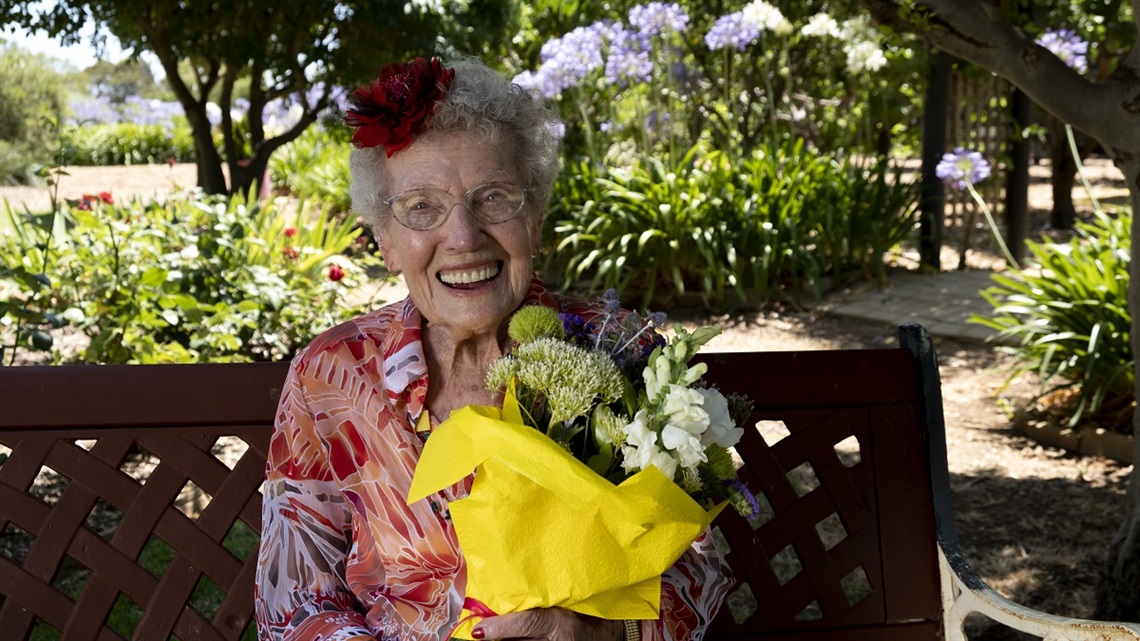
(741, 160)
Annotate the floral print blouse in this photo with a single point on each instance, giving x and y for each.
(342, 554)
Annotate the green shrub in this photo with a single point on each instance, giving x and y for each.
(31, 97)
(129, 144)
(763, 228)
(314, 167)
(29, 306)
(1071, 321)
(198, 279)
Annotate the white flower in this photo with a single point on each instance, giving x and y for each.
(682, 408)
(766, 17)
(821, 25)
(641, 443)
(685, 422)
(657, 376)
(721, 430)
(857, 29)
(684, 443)
(865, 56)
(664, 462)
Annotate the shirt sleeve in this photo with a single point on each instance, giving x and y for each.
(692, 592)
(306, 535)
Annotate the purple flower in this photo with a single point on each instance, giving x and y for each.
(93, 111)
(655, 17)
(732, 30)
(569, 59)
(1068, 46)
(962, 168)
(628, 59)
(610, 302)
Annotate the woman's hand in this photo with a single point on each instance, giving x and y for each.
(549, 624)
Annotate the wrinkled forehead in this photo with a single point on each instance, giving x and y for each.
(452, 161)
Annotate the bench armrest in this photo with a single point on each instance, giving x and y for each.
(963, 591)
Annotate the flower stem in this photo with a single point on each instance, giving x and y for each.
(993, 226)
(1081, 167)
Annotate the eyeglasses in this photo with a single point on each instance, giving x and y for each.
(425, 209)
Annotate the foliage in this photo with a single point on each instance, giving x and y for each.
(29, 306)
(30, 94)
(118, 81)
(315, 167)
(1070, 320)
(766, 227)
(827, 77)
(199, 279)
(127, 143)
(286, 48)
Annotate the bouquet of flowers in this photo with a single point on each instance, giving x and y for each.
(605, 462)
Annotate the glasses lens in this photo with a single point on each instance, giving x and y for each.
(496, 202)
(421, 208)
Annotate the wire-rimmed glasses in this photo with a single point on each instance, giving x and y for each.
(427, 208)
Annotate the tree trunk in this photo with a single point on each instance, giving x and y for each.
(933, 199)
(1118, 593)
(210, 176)
(1064, 168)
(1017, 180)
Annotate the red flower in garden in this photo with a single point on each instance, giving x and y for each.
(335, 273)
(289, 252)
(396, 106)
(87, 201)
(290, 232)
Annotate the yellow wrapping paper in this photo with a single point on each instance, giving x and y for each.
(541, 529)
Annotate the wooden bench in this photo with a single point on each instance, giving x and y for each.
(130, 505)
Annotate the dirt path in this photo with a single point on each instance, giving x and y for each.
(1035, 521)
(141, 181)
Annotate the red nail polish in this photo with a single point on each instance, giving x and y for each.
(477, 633)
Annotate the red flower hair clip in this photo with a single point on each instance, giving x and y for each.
(392, 109)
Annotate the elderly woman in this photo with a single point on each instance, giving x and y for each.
(453, 170)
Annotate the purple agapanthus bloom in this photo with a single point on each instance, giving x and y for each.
(962, 167)
(628, 58)
(732, 30)
(566, 60)
(656, 17)
(93, 111)
(1068, 46)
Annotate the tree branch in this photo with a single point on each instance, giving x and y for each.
(977, 31)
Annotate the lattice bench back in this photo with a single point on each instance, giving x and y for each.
(129, 500)
(127, 503)
(845, 547)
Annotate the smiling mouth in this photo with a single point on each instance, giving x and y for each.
(471, 278)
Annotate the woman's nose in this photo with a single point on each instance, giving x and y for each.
(462, 230)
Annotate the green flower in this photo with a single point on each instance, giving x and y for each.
(609, 428)
(571, 379)
(533, 322)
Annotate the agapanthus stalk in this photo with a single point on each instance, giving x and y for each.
(1081, 167)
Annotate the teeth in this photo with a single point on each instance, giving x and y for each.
(463, 278)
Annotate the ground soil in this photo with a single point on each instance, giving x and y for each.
(1035, 521)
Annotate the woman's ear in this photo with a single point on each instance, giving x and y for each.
(391, 262)
(536, 233)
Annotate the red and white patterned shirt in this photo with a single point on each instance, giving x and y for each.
(342, 554)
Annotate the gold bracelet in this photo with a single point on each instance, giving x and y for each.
(632, 630)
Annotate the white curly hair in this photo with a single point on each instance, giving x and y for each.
(480, 100)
